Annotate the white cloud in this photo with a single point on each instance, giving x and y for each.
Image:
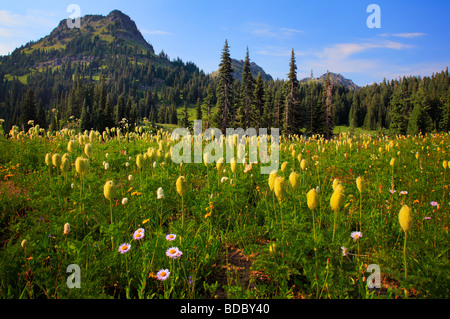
(354, 58)
(23, 28)
(409, 35)
(155, 32)
(266, 30)
(31, 19)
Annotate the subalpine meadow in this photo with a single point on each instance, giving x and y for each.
(140, 226)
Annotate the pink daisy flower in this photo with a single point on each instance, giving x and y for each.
(173, 252)
(123, 248)
(163, 274)
(171, 237)
(356, 234)
(139, 234)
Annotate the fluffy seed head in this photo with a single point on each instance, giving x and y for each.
(219, 164)
(81, 165)
(336, 182)
(48, 159)
(303, 164)
(445, 164)
(70, 146)
(66, 228)
(65, 164)
(279, 188)
(88, 149)
(312, 199)
(283, 166)
(392, 162)
(56, 160)
(404, 217)
(181, 185)
(233, 165)
(109, 190)
(160, 193)
(337, 199)
(359, 184)
(293, 179)
(272, 177)
(139, 161)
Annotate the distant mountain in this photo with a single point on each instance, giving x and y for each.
(337, 79)
(99, 39)
(238, 70)
(116, 25)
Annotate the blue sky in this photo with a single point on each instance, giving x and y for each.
(325, 34)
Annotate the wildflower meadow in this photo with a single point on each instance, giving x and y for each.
(137, 225)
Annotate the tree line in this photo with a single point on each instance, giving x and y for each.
(122, 88)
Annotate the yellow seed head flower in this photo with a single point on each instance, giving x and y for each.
(65, 164)
(445, 164)
(233, 164)
(109, 190)
(303, 164)
(312, 199)
(66, 228)
(283, 166)
(359, 184)
(392, 162)
(48, 159)
(293, 179)
(219, 164)
(299, 157)
(70, 146)
(88, 149)
(56, 160)
(206, 159)
(181, 185)
(293, 154)
(139, 161)
(272, 177)
(23, 243)
(273, 249)
(404, 217)
(81, 165)
(279, 188)
(417, 156)
(336, 182)
(337, 199)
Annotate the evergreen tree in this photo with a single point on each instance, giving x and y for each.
(185, 118)
(207, 104)
(244, 113)
(291, 102)
(268, 114)
(41, 117)
(108, 113)
(420, 120)
(198, 110)
(257, 112)
(398, 109)
(224, 90)
(120, 110)
(28, 112)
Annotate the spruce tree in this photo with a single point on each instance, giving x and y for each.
(198, 110)
(257, 104)
(247, 94)
(28, 111)
(291, 102)
(398, 120)
(224, 90)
